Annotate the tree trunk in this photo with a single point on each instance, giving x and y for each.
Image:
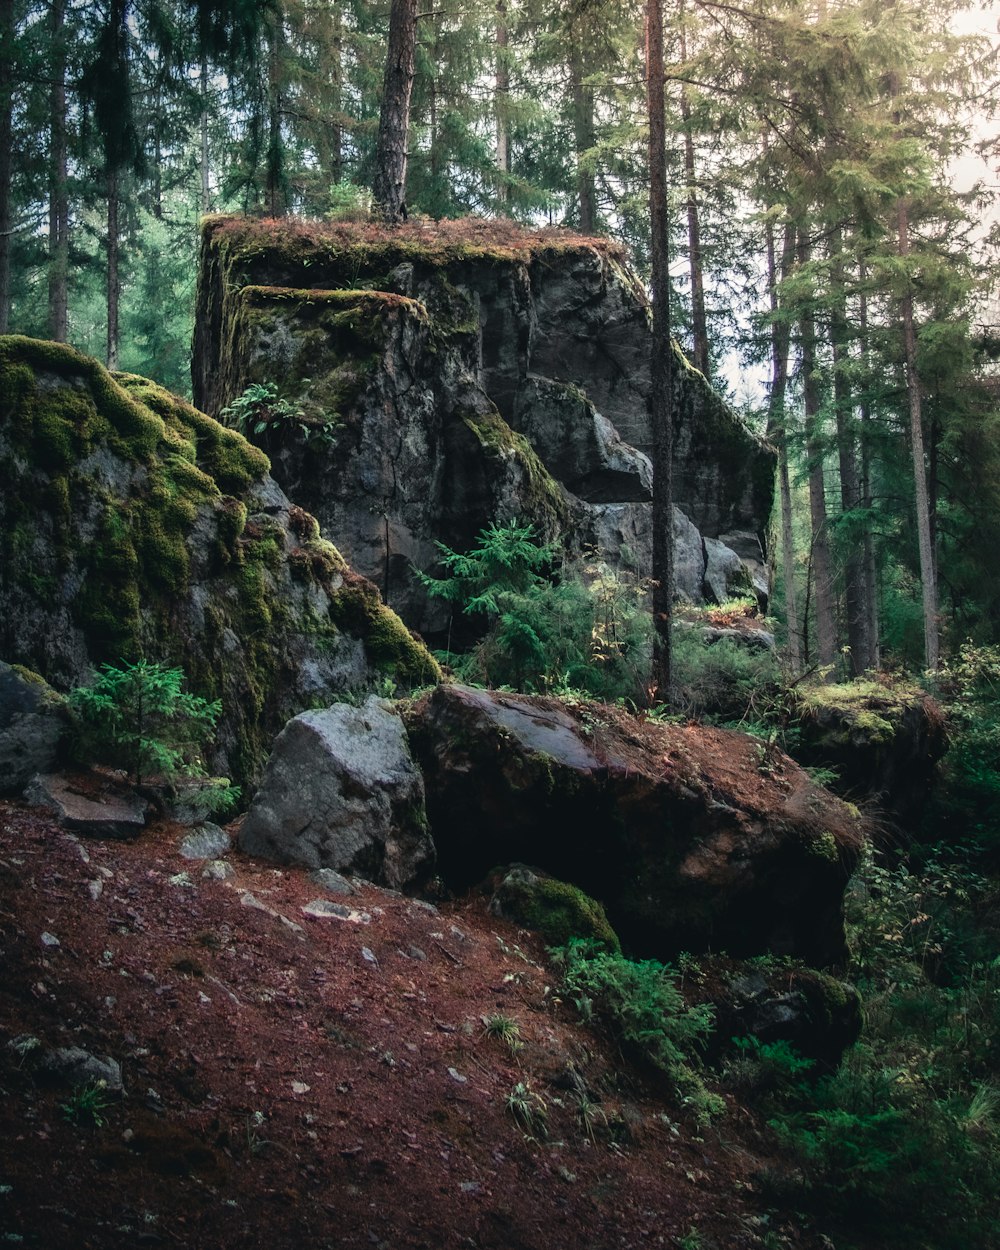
(58, 183)
(502, 103)
(337, 79)
(777, 418)
(274, 191)
(826, 632)
(584, 136)
(928, 580)
(868, 542)
(205, 168)
(861, 657)
(699, 319)
(6, 146)
(662, 371)
(389, 188)
(114, 279)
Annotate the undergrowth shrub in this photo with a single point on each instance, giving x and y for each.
(261, 412)
(640, 1004)
(544, 628)
(724, 681)
(903, 1141)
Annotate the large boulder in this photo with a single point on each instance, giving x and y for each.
(476, 373)
(136, 526)
(341, 792)
(32, 722)
(692, 838)
(880, 739)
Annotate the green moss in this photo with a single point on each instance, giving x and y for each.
(865, 709)
(542, 494)
(557, 910)
(357, 608)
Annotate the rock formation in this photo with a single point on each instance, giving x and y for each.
(688, 841)
(459, 373)
(135, 526)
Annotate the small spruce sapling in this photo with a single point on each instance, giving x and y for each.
(139, 718)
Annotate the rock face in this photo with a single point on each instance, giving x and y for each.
(687, 836)
(108, 812)
(882, 739)
(476, 373)
(135, 526)
(341, 791)
(32, 721)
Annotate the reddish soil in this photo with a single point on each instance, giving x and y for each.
(281, 1089)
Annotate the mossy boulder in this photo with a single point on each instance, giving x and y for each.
(881, 738)
(478, 372)
(555, 909)
(137, 527)
(693, 838)
(33, 720)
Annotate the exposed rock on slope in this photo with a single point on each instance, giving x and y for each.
(685, 838)
(341, 791)
(136, 526)
(477, 373)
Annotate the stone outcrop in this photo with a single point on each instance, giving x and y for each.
(341, 792)
(32, 722)
(136, 526)
(687, 835)
(447, 376)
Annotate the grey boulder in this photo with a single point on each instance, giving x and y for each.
(341, 791)
(31, 723)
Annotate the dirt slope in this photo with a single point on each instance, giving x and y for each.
(283, 1087)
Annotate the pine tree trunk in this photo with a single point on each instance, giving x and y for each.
(274, 191)
(389, 187)
(58, 184)
(826, 632)
(868, 543)
(928, 580)
(205, 167)
(699, 320)
(337, 79)
(661, 363)
(114, 278)
(6, 146)
(861, 656)
(584, 136)
(502, 103)
(777, 419)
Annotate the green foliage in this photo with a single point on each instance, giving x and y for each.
(904, 1140)
(260, 412)
(528, 1109)
(641, 1005)
(545, 629)
(724, 682)
(139, 718)
(87, 1104)
(969, 686)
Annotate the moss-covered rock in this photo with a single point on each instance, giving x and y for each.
(477, 372)
(136, 526)
(880, 739)
(555, 909)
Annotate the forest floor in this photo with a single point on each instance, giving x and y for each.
(292, 1080)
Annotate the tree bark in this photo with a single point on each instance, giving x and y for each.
(389, 187)
(114, 278)
(205, 168)
(274, 191)
(584, 135)
(661, 364)
(928, 579)
(699, 320)
(861, 658)
(868, 542)
(502, 103)
(58, 183)
(826, 632)
(777, 419)
(6, 144)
